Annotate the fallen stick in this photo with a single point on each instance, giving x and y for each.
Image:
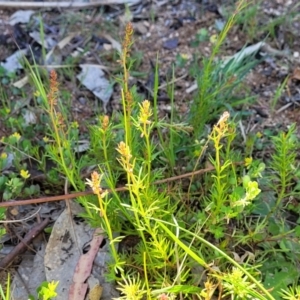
(90, 192)
(63, 4)
(22, 246)
(21, 220)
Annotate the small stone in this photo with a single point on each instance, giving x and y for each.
(171, 44)
(82, 100)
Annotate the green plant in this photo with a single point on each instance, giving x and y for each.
(249, 20)
(62, 137)
(284, 165)
(285, 20)
(237, 282)
(278, 93)
(292, 293)
(216, 82)
(181, 60)
(226, 198)
(221, 231)
(46, 291)
(201, 36)
(165, 252)
(5, 296)
(12, 184)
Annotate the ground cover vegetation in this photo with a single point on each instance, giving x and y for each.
(211, 217)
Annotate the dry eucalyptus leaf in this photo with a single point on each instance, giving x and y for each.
(29, 116)
(84, 267)
(93, 78)
(31, 274)
(20, 16)
(47, 42)
(65, 248)
(296, 74)
(114, 43)
(12, 63)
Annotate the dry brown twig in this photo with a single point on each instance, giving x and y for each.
(89, 192)
(63, 4)
(22, 246)
(21, 220)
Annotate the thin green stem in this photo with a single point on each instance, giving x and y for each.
(148, 148)
(192, 254)
(107, 222)
(127, 122)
